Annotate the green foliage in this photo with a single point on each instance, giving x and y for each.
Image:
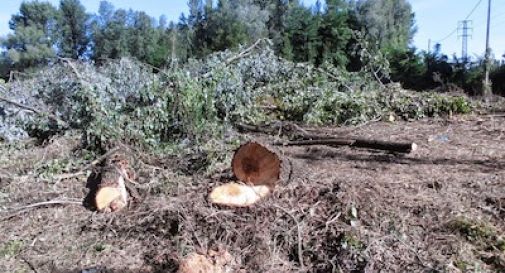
(481, 234)
(72, 26)
(34, 30)
(124, 100)
(11, 248)
(388, 22)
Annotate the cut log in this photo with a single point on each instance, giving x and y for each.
(238, 195)
(301, 137)
(111, 191)
(257, 163)
(399, 147)
(260, 167)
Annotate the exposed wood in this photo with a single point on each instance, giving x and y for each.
(238, 195)
(399, 147)
(258, 163)
(220, 261)
(110, 191)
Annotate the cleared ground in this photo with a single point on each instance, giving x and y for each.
(439, 209)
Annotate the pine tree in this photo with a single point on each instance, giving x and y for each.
(72, 26)
(32, 40)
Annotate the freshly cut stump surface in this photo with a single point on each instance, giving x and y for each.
(238, 195)
(111, 194)
(258, 164)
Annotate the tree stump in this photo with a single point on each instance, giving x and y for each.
(111, 192)
(260, 164)
(260, 168)
(238, 195)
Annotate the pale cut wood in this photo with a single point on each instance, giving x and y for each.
(111, 194)
(238, 195)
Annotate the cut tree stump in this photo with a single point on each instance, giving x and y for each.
(258, 163)
(260, 167)
(220, 261)
(111, 190)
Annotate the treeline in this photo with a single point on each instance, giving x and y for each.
(321, 33)
(304, 34)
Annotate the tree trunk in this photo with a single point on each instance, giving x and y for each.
(399, 147)
(111, 190)
(260, 168)
(257, 163)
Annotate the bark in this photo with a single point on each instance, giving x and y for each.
(111, 190)
(399, 147)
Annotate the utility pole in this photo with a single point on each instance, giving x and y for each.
(465, 28)
(487, 91)
(429, 45)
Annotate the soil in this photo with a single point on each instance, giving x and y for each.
(438, 209)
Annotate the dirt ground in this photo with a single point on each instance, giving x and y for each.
(439, 209)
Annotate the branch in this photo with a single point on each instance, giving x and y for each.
(399, 147)
(19, 210)
(34, 110)
(244, 53)
(299, 233)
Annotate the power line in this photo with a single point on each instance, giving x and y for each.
(456, 29)
(473, 10)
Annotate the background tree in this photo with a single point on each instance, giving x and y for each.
(389, 22)
(110, 33)
(32, 40)
(72, 25)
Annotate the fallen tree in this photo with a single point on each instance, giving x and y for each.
(398, 147)
(301, 137)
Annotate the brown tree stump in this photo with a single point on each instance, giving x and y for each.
(258, 163)
(260, 168)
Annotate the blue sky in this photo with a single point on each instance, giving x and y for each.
(435, 19)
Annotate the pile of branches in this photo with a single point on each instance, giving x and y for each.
(129, 101)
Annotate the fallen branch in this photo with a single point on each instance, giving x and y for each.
(246, 52)
(83, 170)
(19, 210)
(48, 203)
(399, 147)
(299, 234)
(33, 110)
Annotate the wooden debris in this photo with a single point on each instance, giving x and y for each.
(398, 147)
(260, 167)
(111, 191)
(304, 138)
(238, 195)
(257, 163)
(220, 261)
